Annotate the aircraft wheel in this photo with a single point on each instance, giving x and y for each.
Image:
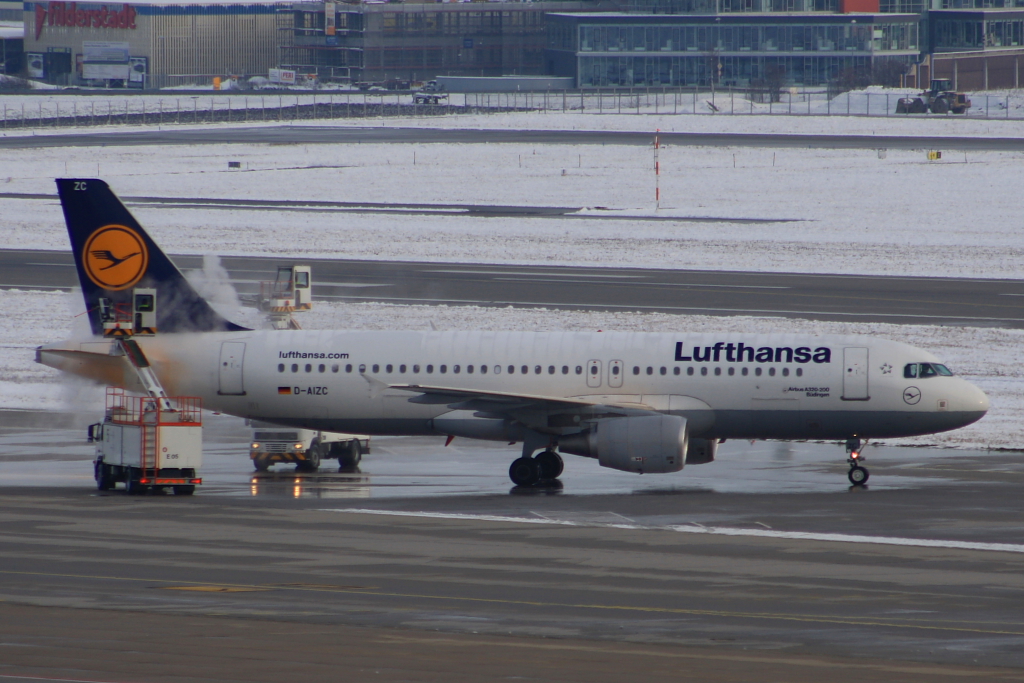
(524, 472)
(858, 475)
(551, 465)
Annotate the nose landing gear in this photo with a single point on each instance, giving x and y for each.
(858, 475)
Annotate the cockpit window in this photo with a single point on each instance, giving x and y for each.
(923, 370)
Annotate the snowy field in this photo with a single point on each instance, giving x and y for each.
(988, 357)
(851, 210)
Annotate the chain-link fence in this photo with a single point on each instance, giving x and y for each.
(55, 111)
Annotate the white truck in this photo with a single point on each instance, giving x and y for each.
(306, 448)
(148, 443)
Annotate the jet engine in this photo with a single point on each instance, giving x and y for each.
(701, 451)
(653, 444)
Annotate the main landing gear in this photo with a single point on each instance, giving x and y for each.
(527, 471)
(858, 475)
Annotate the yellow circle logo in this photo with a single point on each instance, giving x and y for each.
(115, 257)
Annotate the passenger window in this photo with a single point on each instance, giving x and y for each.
(443, 369)
(565, 369)
(348, 368)
(389, 368)
(362, 368)
(416, 369)
(785, 372)
(536, 370)
(910, 370)
(525, 369)
(401, 369)
(497, 369)
(757, 371)
(636, 370)
(689, 370)
(430, 369)
(322, 368)
(593, 370)
(718, 371)
(280, 367)
(295, 367)
(483, 369)
(799, 372)
(309, 367)
(745, 372)
(511, 369)
(732, 371)
(650, 370)
(579, 369)
(456, 369)
(704, 371)
(335, 368)
(376, 368)
(771, 372)
(675, 370)
(663, 371)
(551, 370)
(469, 369)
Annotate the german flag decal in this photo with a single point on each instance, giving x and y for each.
(284, 390)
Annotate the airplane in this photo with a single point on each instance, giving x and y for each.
(637, 402)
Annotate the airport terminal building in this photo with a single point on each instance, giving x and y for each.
(148, 44)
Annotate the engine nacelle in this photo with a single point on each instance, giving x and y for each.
(701, 451)
(652, 444)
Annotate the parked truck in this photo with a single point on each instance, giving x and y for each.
(306, 448)
(148, 443)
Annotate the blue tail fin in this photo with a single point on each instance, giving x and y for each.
(114, 256)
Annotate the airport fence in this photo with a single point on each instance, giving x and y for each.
(65, 110)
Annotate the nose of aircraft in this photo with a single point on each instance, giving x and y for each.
(973, 401)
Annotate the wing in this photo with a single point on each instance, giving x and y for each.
(546, 414)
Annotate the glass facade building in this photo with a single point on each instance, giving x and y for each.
(810, 48)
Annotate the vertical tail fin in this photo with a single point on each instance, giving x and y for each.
(114, 255)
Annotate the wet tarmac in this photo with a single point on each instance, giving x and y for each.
(425, 563)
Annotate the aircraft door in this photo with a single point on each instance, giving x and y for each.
(593, 373)
(615, 373)
(855, 374)
(230, 369)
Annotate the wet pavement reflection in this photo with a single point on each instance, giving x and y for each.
(50, 449)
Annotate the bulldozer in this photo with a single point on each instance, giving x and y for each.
(941, 99)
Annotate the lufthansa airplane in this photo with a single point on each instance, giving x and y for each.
(637, 402)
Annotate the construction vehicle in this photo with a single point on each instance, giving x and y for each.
(147, 442)
(306, 448)
(941, 99)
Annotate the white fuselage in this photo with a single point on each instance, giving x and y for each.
(726, 385)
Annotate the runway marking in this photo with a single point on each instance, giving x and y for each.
(772, 616)
(215, 589)
(694, 528)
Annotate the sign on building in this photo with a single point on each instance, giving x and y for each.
(105, 60)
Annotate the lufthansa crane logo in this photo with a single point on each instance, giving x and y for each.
(115, 257)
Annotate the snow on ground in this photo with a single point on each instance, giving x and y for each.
(985, 356)
(853, 211)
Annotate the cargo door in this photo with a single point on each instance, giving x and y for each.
(855, 374)
(231, 356)
(615, 373)
(593, 373)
